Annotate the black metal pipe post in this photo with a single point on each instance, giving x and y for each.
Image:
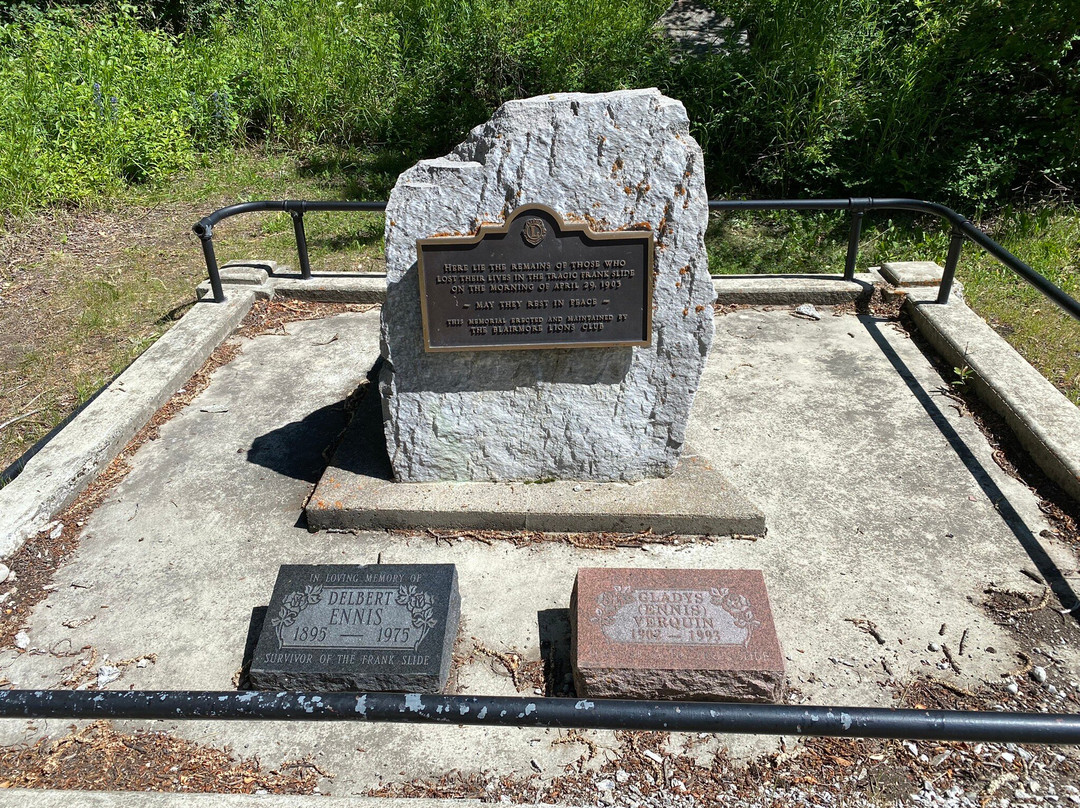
(301, 242)
(853, 244)
(206, 235)
(956, 243)
(672, 716)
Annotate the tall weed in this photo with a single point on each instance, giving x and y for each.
(421, 72)
(973, 103)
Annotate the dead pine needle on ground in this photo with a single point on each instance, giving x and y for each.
(98, 758)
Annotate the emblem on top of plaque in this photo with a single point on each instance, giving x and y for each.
(533, 232)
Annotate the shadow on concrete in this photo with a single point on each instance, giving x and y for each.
(258, 617)
(554, 627)
(1028, 540)
(301, 449)
(363, 448)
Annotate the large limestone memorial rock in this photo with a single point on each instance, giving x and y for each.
(621, 161)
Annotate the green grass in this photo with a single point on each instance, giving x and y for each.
(1047, 238)
(336, 241)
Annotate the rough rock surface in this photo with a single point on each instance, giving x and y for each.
(620, 159)
(683, 685)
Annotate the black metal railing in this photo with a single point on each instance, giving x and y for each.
(296, 208)
(961, 229)
(517, 711)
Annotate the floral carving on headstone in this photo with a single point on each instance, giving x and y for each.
(738, 606)
(421, 607)
(292, 606)
(608, 603)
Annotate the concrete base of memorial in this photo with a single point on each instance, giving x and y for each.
(357, 491)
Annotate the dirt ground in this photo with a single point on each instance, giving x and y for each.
(69, 283)
(84, 291)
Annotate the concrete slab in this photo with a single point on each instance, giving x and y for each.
(912, 273)
(357, 491)
(252, 273)
(695, 500)
(62, 468)
(1046, 423)
(780, 290)
(883, 503)
(370, 287)
(359, 288)
(320, 288)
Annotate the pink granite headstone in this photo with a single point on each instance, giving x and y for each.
(696, 635)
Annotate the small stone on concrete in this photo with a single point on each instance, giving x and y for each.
(346, 627)
(808, 310)
(22, 641)
(107, 674)
(253, 273)
(688, 634)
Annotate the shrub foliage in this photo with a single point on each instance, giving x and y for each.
(975, 101)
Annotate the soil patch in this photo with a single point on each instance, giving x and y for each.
(648, 769)
(98, 758)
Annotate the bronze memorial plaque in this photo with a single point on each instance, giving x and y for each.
(536, 282)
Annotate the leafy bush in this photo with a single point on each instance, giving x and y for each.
(970, 103)
(974, 101)
(420, 73)
(88, 104)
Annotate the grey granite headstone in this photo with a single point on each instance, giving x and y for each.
(365, 628)
(619, 161)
